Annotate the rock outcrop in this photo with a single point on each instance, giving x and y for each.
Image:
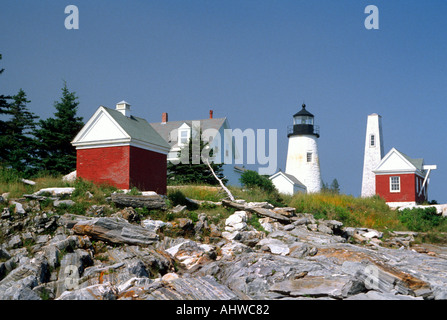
(122, 256)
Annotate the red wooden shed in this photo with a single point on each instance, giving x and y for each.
(117, 148)
(401, 180)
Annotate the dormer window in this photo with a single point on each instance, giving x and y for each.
(184, 134)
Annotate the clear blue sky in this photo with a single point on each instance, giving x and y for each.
(252, 61)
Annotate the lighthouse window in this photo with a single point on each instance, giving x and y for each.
(372, 141)
(309, 157)
(395, 184)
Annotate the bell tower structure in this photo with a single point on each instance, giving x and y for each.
(373, 154)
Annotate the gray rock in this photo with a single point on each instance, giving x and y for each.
(138, 269)
(275, 246)
(185, 224)
(288, 227)
(4, 254)
(72, 266)
(15, 242)
(376, 295)
(194, 288)
(153, 225)
(325, 229)
(69, 220)
(178, 209)
(335, 287)
(18, 208)
(236, 222)
(115, 230)
(250, 238)
(21, 290)
(6, 213)
(42, 238)
(67, 203)
(94, 292)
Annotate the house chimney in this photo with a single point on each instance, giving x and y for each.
(211, 114)
(164, 117)
(124, 108)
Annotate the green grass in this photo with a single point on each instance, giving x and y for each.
(199, 192)
(370, 212)
(353, 211)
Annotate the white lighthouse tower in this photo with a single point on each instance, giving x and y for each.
(302, 155)
(373, 153)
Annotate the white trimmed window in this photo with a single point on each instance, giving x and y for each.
(184, 134)
(395, 184)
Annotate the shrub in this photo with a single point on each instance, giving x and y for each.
(252, 179)
(421, 219)
(178, 198)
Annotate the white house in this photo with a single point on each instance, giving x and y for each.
(287, 184)
(215, 131)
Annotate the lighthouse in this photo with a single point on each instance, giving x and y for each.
(373, 154)
(302, 154)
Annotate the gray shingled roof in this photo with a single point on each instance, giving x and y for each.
(293, 178)
(418, 163)
(138, 128)
(164, 129)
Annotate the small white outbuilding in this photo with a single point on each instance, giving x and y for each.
(287, 184)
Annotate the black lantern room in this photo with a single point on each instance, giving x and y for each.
(303, 124)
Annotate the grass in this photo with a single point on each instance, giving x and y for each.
(370, 212)
(352, 211)
(199, 192)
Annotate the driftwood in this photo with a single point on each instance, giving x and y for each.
(220, 181)
(150, 202)
(260, 211)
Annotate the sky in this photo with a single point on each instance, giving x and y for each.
(252, 61)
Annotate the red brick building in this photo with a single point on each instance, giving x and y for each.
(401, 180)
(117, 148)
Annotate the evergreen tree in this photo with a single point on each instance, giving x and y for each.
(55, 152)
(191, 168)
(16, 141)
(4, 109)
(335, 187)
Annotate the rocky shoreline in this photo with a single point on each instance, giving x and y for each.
(125, 256)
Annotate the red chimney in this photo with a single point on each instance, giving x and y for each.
(211, 114)
(164, 117)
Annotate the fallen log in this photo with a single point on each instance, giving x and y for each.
(151, 202)
(258, 210)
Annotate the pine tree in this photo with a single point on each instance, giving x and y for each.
(16, 141)
(55, 152)
(335, 187)
(4, 109)
(191, 168)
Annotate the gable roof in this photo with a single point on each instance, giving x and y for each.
(292, 179)
(137, 128)
(122, 130)
(165, 129)
(397, 162)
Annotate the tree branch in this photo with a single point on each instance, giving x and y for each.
(220, 181)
